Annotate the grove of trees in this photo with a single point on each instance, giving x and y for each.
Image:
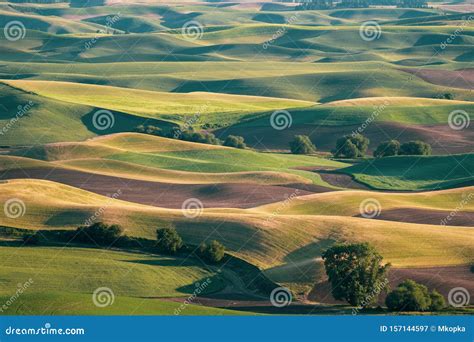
(351, 146)
(168, 240)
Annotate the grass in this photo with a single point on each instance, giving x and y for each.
(82, 270)
(347, 203)
(61, 281)
(263, 239)
(156, 104)
(61, 302)
(415, 172)
(130, 152)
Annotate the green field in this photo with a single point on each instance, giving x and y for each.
(415, 173)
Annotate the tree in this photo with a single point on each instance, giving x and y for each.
(149, 129)
(99, 233)
(411, 296)
(213, 253)
(437, 301)
(235, 141)
(302, 145)
(168, 240)
(351, 146)
(415, 148)
(356, 273)
(200, 137)
(387, 148)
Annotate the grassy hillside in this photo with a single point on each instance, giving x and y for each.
(415, 173)
(129, 152)
(137, 282)
(257, 237)
(127, 274)
(347, 203)
(158, 105)
(66, 303)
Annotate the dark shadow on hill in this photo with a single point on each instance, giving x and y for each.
(58, 220)
(312, 250)
(341, 180)
(103, 121)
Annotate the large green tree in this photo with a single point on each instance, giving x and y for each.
(351, 146)
(411, 296)
(387, 149)
(168, 240)
(415, 148)
(235, 141)
(301, 144)
(213, 252)
(356, 273)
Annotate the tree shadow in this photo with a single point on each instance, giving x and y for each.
(103, 121)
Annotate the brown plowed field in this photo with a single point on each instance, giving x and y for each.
(168, 195)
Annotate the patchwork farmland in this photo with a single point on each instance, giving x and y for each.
(271, 129)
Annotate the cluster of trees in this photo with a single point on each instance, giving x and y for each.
(358, 276)
(170, 242)
(99, 234)
(411, 148)
(356, 145)
(193, 136)
(348, 146)
(351, 146)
